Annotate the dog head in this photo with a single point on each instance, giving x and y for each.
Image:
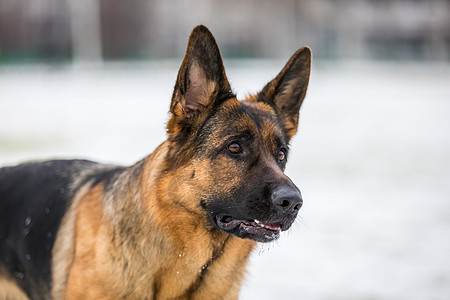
(228, 157)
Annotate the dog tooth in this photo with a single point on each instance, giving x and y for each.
(259, 223)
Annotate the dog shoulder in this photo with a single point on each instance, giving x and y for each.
(34, 198)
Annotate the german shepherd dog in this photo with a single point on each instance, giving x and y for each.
(179, 224)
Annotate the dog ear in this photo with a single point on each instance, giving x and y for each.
(286, 92)
(201, 83)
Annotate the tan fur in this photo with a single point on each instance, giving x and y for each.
(86, 276)
(9, 290)
(63, 250)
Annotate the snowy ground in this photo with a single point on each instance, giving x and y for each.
(372, 159)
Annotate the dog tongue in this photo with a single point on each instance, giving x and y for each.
(275, 226)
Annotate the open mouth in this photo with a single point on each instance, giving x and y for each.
(252, 229)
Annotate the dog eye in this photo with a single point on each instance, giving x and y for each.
(281, 155)
(234, 148)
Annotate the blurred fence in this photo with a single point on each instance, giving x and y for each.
(65, 30)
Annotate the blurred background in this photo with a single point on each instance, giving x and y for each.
(93, 79)
(104, 30)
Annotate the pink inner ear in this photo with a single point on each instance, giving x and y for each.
(196, 95)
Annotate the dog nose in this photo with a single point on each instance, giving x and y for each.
(287, 199)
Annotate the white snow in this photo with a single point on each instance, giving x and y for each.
(372, 159)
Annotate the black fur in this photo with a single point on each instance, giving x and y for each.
(106, 177)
